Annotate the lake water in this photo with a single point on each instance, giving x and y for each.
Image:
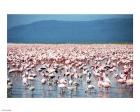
(52, 91)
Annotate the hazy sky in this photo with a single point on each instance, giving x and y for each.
(19, 19)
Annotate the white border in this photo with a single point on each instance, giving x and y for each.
(68, 7)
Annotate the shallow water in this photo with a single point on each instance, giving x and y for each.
(45, 91)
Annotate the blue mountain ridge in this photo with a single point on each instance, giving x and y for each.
(115, 30)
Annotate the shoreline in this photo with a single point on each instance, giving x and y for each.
(69, 44)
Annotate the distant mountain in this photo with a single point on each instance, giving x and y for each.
(117, 30)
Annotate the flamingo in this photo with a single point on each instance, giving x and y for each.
(43, 81)
(70, 82)
(31, 78)
(100, 83)
(9, 84)
(25, 80)
(129, 82)
(76, 62)
(106, 85)
(62, 86)
(88, 80)
(31, 88)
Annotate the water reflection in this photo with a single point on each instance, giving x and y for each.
(52, 91)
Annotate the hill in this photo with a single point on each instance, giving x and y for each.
(113, 30)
